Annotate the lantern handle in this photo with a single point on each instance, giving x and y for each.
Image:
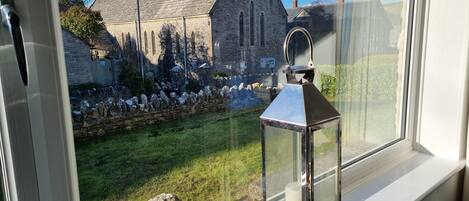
(292, 69)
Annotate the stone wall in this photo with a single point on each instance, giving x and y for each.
(112, 125)
(197, 25)
(105, 111)
(77, 59)
(226, 34)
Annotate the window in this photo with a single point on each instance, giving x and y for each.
(128, 43)
(145, 39)
(251, 22)
(153, 43)
(178, 43)
(189, 125)
(241, 29)
(122, 41)
(262, 30)
(370, 84)
(193, 45)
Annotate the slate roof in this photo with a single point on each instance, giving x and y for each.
(361, 9)
(104, 41)
(114, 11)
(293, 13)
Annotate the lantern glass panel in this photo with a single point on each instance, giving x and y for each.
(283, 164)
(326, 159)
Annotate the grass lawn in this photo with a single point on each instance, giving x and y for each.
(206, 157)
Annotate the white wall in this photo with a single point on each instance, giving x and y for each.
(444, 76)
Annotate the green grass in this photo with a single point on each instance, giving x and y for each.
(206, 157)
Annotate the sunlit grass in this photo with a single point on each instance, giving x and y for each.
(207, 157)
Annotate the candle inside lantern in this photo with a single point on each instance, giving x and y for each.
(293, 192)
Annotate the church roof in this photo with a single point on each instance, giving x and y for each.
(114, 11)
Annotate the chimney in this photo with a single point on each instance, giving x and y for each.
(295, 4)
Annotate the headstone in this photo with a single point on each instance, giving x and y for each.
(129, 103)
(157, 87)
(164, 97)
(183, 98)
(234, 91)
(135, 100)
(121, 105)
(225, 91)
(193, 97)
(110, 101)
(208, 91)
(144, 99)
(165, 197)
(84, 104)
(201, 94)
(174, 98)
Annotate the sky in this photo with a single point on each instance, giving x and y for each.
(287, 3)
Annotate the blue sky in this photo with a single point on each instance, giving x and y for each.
(287, 3)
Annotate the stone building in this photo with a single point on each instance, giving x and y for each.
(242, 36)
(91, 61)
(77, 59)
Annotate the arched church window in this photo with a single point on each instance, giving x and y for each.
(262, 29)
(122, 41)
(241, 29)
(252, 23)
(128, 42)
(178, 43)
(193, 43)
(153, 43)
(145, 39)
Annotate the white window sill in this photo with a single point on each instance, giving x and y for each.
(412, 179)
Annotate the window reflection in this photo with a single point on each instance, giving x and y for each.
(184, 119)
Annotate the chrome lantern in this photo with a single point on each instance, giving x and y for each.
(301, 135)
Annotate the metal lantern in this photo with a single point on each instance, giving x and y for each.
(301, 136)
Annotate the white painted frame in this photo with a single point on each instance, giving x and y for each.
(423, 54)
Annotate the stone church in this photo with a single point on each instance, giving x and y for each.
(237, 36)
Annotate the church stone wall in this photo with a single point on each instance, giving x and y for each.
(226, 35)
(199, 25)
(217, 36)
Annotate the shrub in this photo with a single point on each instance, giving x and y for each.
(359, 82)
(81, 21)
(148, 86)
(193, 85)
(130, 78)
(328, 85)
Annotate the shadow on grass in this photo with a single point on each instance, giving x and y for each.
(194, 156)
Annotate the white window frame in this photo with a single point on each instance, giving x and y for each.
(354, 175)
(437, 116)
(382, 158)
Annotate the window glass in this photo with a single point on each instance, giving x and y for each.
(153, 43)
(241, 29)
(184, 120)
(262, 30)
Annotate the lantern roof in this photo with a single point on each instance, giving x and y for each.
(301, 105)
